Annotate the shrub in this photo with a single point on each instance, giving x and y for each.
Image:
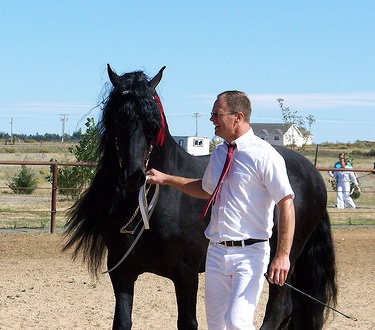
(73, 179)
(24, 182)
(69, 179)
(9, 150)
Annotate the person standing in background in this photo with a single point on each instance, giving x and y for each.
(343, 179)
(338, 165)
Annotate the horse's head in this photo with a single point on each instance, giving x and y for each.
(132, 123)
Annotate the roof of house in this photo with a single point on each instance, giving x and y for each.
(268, 129)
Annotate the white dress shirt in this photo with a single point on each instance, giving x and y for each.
(256, 180)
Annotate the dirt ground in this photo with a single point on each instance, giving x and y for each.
(41, 288)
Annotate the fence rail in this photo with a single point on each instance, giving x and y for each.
(346, 169)
(54, 183)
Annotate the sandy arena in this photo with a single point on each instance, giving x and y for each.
(41, 288)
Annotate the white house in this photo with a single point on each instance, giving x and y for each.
(281, 134)
(196, 146)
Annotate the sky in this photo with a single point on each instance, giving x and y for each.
(319, 56)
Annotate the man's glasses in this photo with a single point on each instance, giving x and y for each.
(218, 114)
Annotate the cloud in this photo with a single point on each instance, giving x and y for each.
(315, 101)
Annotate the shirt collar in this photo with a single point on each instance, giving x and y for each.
(243, 139)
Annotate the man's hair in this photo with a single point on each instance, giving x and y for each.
(237, 102)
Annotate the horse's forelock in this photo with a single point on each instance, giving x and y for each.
(134, 84)
(132, 99)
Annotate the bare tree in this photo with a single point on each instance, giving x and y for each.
(292, 118)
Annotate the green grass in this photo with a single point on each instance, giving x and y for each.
(353, 220)
(14, 219)
(39, 148)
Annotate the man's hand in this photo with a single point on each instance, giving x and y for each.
(156, 177)
(278, 270)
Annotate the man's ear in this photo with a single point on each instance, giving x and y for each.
(239, 116)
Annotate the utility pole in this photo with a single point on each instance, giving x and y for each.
(64, 118)
(196, 115)
(11, 130)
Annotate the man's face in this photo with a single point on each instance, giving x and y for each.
(223, 119)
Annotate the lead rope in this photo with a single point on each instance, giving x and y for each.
(127, 252)
(146, 211)
(145, 208)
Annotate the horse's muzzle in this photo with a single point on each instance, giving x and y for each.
(134, 181)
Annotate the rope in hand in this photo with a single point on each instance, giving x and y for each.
(146, 211)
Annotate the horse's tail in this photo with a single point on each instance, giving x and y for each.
(84, 232)
(315, 274)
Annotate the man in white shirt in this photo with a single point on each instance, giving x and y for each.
(242, 215)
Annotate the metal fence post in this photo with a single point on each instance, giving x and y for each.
(54, 197)
(316, 155)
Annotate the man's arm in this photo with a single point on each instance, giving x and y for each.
(191, 187)
(279, 267)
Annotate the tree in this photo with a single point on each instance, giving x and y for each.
(73, 179)
(292, 118)
(310, 120)
(24, 182)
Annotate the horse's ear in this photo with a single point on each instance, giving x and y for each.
(156, 80)
(113, 76)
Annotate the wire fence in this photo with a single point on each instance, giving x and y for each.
(25, 211)
(46, 208)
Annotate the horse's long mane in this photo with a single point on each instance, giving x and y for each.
(131, 100)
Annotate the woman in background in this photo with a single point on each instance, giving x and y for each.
(343, 179)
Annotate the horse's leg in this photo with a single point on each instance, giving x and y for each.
(302, 317)
(315, 274)
(123, 287)
(279, 307)
(186, 287)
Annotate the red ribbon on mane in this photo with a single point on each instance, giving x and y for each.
(159, 141)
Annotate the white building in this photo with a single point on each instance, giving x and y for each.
(196, 146)
(281, 134)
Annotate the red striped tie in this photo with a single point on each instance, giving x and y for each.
(227, 163)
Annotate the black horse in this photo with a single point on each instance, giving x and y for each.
(134, 137)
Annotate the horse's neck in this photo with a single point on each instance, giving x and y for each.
(172, 158)
(165, 157)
